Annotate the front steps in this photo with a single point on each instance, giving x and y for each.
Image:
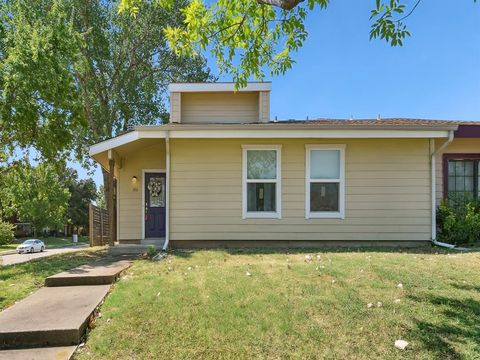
(52, 321)
(135, 249)
(101, 273)
(50, 353)
(53, 316)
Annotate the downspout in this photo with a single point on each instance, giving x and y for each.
(433, 154)
(167, 195)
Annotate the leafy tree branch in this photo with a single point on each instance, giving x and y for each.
(249, 37)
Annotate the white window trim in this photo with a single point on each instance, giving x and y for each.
(278, 190)
(341, 198)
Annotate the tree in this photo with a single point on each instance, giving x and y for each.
(100, 200)
(82, 193)
(35, 194)
(75, 72)
(6, 232)
(247, 36)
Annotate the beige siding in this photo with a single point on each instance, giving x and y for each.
(458, 145)
(220, 107)
(264, 97)
(175, 107)
(130, 201)
(387, 192)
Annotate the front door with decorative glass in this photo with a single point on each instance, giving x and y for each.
(155, 187)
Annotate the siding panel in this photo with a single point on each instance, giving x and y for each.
(220, 107)
(387, 192)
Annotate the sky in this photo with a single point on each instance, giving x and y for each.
(340, 73)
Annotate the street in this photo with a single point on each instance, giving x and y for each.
(21, 258)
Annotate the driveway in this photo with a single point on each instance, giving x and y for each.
(21, 258)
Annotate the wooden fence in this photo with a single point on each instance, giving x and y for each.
(99, 226)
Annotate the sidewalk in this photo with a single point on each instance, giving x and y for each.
(52, 321)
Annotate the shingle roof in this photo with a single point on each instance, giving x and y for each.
(348, 122)
(379, 122)
(387, 123)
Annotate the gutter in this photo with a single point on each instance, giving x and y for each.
(433, 154)
(167, 195)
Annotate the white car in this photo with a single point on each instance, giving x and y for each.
(31, 246)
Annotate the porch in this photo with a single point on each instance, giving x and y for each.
(140, 195)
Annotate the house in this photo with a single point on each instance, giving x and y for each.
(221, 173)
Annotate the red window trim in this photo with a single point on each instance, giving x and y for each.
(457, 156)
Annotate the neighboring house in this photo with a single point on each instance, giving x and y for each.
(221, 173)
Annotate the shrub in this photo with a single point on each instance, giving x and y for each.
(6, 232)
(151, 251)
(459, 224)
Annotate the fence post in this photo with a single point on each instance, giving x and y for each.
(91, 231)
(101, 227)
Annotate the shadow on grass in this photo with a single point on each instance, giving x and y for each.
(44, 267)
(466, 287)
(457, 327)
(427, 250)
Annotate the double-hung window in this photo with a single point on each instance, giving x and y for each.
(325, 181)
(261, 181)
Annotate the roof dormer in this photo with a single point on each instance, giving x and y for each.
(207, 103)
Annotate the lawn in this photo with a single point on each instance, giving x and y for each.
(49, 242)
(277, 305)
(18, 281)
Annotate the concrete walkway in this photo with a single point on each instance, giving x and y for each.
(21, 258)
(57, 316)
(57, 353)
(101, 273)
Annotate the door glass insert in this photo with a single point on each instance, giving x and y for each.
(156, 188)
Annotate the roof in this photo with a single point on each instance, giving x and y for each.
(218, 87)
(324, 124)
(376, 122)
(307, 129)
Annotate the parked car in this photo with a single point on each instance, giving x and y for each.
(31, 246)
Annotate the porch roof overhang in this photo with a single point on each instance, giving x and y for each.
(141, 136)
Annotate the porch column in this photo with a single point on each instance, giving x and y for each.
(111, 202)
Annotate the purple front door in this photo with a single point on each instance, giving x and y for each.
(155, 205)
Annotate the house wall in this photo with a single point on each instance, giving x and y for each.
(458, 145)
(387, 192)
(175, 107)
(264, 106)
(220, 107)
(129, 201)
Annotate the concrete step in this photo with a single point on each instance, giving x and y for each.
(99, 273)
(47, 353)
(53, 316)
(123, 249)
(156, 241)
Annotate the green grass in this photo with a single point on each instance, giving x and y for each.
(8, 247)
(292, 309)
(62, 241)
(18, 281)
(50, 242)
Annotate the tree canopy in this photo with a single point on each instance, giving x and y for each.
(246, 37)
(75, 72)
(82, 193)
(35, 194)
